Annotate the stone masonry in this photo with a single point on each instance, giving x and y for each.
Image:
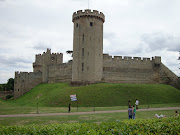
(90, 64)
(88, 46)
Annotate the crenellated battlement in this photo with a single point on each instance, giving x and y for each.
(88, 13)
(156, 59)
(26, 74)
(48, 52)
(47, 58)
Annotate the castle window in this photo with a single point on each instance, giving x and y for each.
(18, 89)
(91, 23)
(76, 24)
(83, 37)
(82, 51)
(82, 66)
(52, 58)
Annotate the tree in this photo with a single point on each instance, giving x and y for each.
(10, 84)
(69, 52)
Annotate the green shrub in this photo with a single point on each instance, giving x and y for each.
(9, 96)
(148, 126)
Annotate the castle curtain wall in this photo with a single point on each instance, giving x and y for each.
(127, 69)
(60, 73)
(25, 81)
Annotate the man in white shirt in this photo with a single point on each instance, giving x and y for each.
(137, 103)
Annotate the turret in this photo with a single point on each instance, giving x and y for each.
(87, 45)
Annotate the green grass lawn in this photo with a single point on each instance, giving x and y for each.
(88, 118)
(12, 109)
(97, 95)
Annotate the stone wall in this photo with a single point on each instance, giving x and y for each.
(3, 94)
(116, 69)
(60, 73)
(120, 69)
(25, 81)
(168, 77)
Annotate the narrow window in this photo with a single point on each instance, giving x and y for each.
(83, 37)
(82, 66)
(76, 24)
(91, 23)
(82, 51)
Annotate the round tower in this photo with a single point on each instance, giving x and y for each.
(87, 45)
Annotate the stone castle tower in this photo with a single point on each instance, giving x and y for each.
(43, 61)
(88, 46)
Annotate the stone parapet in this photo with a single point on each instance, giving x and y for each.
(108, 57)
(88, 13)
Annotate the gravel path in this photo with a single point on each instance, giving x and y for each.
(81, 113)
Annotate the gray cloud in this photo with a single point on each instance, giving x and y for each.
(14, 62)
(109, 35)
(158, 41)
(41, 46)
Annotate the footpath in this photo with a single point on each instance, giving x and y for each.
(81, 113)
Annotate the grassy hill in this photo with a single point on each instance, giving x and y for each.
(103, 94)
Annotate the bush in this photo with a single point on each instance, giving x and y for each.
(9, 96)
(147, 126)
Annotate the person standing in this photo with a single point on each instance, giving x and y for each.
(134, 111)
(137, 103)
(129, 102)
(69, 107)
(130, 112)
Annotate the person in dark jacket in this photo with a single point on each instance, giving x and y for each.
(69, 107)
(130, 112)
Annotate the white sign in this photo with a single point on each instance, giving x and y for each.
(73, 97)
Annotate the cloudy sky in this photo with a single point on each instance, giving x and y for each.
(143, 28)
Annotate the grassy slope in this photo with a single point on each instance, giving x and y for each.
(98, 95)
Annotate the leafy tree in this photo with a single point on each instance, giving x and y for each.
(10, 84)
(69, 52)
(2, 87)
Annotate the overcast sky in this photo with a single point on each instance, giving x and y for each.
(143, 28)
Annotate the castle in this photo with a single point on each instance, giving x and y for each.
(89, 64)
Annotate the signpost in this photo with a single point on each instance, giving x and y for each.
(74, 98)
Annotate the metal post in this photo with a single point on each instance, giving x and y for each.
(77, 106)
